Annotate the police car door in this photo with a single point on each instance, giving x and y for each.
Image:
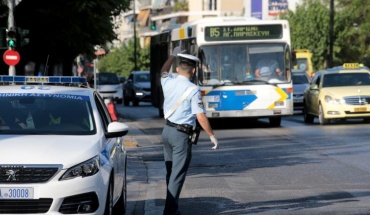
(114, 147)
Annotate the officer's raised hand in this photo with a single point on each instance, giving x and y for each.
(177, 50)
(214, 141)
(167, 65)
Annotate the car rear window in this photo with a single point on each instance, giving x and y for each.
(107, 78)
(300, 78)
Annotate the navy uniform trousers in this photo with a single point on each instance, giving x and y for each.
(177, 156)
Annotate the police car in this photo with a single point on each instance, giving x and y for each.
(60, 151)
(338, 93)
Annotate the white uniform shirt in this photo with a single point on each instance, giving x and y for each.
(173, 88)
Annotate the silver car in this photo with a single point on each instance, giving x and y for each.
(109, 86)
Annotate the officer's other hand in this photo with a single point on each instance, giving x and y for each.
(214, 141)
(177, 50)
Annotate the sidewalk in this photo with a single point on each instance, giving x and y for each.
(146, 182)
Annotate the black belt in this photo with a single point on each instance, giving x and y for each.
(169, 123)
(183, 128)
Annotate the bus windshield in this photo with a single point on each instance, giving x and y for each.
(242, 63)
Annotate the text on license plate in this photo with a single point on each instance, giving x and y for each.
(298, 100)
(360, 109)
(16, 193)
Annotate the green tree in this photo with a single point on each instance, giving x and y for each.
(353, 30)
(121, 60)
(309, 26)
(62, 29)
(181, 5)
(310, 29)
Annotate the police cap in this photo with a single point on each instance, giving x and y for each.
(187, 59)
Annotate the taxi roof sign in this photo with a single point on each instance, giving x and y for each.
(351, 65)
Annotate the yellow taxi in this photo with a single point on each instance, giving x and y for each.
(341, 92)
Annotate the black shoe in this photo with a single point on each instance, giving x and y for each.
(177, 213)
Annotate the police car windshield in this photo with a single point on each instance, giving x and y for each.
(60, 114)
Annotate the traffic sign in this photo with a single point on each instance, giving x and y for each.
(11, 57)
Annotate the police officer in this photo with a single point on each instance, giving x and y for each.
(177, 147)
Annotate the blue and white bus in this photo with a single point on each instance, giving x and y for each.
(229, 49)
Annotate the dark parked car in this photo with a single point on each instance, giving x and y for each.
(137, 88)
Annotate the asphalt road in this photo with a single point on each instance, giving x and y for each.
(292, 169)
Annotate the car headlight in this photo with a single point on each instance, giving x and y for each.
(331, 100)
(84, 169)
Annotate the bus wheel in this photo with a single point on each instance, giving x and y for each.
(308, 118)
(126, 101)
(135, 102)
(275, 121)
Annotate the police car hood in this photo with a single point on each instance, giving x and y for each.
(47, 149)
(340, 92)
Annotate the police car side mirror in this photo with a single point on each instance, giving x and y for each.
(116, 129)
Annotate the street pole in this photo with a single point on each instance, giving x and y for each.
(11, 26)
(135, 52)
(331, 34)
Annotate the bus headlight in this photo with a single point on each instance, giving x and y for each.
(279, 103)
(212, 105)
(212, 98)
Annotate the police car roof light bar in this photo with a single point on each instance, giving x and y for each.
(43, 79)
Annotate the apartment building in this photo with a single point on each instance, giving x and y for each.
(154, 16)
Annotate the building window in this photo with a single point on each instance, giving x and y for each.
(212, 4)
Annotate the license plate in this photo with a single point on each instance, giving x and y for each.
(298, 100)
(16, 193)
(360, 109)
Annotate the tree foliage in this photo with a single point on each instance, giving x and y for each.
(181, 5)
(62, 29)
(121, 60)
(353, 30)
(310, 30)
(309, 26)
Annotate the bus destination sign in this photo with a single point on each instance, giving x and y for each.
(247, 32)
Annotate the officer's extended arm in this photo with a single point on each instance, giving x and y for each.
(203, 121)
